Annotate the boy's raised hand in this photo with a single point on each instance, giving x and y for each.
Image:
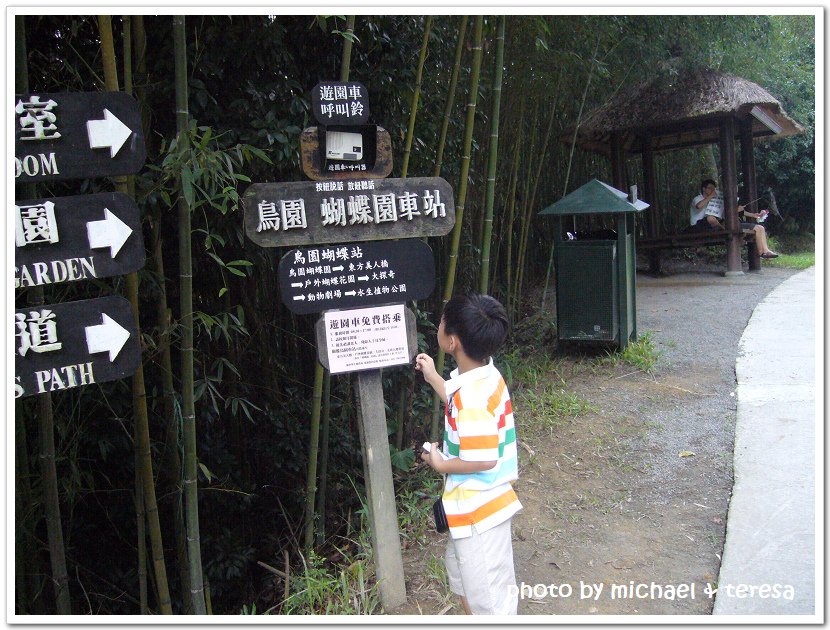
(426, 366)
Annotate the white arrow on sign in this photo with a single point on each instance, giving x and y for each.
(111, 232)
(299, 297)
(110, 132)
(340, 268)
(366, 278)
(107, 337)
(350, 293)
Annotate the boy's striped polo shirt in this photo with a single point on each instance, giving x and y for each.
(478, 427)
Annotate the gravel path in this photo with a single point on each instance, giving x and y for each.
(608, 499)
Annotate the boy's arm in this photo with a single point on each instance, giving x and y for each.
(426, 366)
(455, 466)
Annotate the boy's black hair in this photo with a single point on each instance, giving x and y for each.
(480, 322)
(706, 182)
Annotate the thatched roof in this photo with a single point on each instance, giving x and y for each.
(681, 108)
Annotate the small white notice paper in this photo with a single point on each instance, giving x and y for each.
(366, 338)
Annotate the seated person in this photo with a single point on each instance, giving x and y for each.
(706, 211)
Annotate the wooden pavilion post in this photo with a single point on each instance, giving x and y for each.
(750, 181)
(618, 162)
(730, 202)
(653, 223)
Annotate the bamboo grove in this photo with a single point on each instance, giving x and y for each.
(204, 481)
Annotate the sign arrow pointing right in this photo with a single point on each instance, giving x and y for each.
(107, 337)
(112, 232)
(108, 133)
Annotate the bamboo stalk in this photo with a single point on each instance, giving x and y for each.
(484, 284)
(313, 448)
(346, 59)
(532, 201)
(191, 489)
(141, 429)
(410, 133)
(570, 160)
(442, 138)
(325, 425)
(514, 180)
(46, 422)
(462, 197)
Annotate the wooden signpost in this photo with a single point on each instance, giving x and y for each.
(72, 135)
(352, 208)
(63, 239)
(347, 276)
(312, 213)
(59, 346)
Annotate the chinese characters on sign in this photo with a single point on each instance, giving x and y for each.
(356, 274)
(58, 346)
(340, 103)
(302, 213)
(61, 135)
(64, 239)
(365, 339)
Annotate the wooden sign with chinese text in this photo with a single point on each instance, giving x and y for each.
(314, 213)
(62, 239)
(73, 135)
(356, 275)
(58, 346)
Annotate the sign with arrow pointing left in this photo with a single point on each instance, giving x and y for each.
(59, 346)
(74, 135)
(62, 239)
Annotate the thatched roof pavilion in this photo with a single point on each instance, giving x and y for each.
(681, 109)
(684, 108)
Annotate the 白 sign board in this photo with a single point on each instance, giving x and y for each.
(314, 213)
(360, 339)
(73, 135)
(352, 275)
(61, 239)
(58, 346)
(340, 103)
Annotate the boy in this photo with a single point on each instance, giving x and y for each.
(479, 456)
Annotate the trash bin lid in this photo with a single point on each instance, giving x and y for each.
(595, 197)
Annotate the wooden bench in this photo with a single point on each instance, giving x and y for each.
(698, 239)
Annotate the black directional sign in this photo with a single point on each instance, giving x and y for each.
(58, 346)
(340, 103)
(354, 275)
(62, 239)
(310, 213)
(72, 135)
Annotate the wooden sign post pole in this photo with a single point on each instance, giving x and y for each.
(377, 471)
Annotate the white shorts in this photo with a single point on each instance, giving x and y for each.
(480, 568)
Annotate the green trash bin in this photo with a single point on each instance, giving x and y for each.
(596, 272)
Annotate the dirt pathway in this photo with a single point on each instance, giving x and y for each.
(608, 499)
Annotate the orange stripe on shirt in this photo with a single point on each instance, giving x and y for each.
(495, 397)
(488, 509)
(456, 400)
(478, 441)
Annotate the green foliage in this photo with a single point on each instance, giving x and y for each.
(796, 251)
(321, 590)
(640, 354)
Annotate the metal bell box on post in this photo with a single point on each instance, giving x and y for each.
(595, 270)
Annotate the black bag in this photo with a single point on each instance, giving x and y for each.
(440, 516)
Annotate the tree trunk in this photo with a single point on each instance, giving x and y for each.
(191, 490)
(460, 201)
(484, 284)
